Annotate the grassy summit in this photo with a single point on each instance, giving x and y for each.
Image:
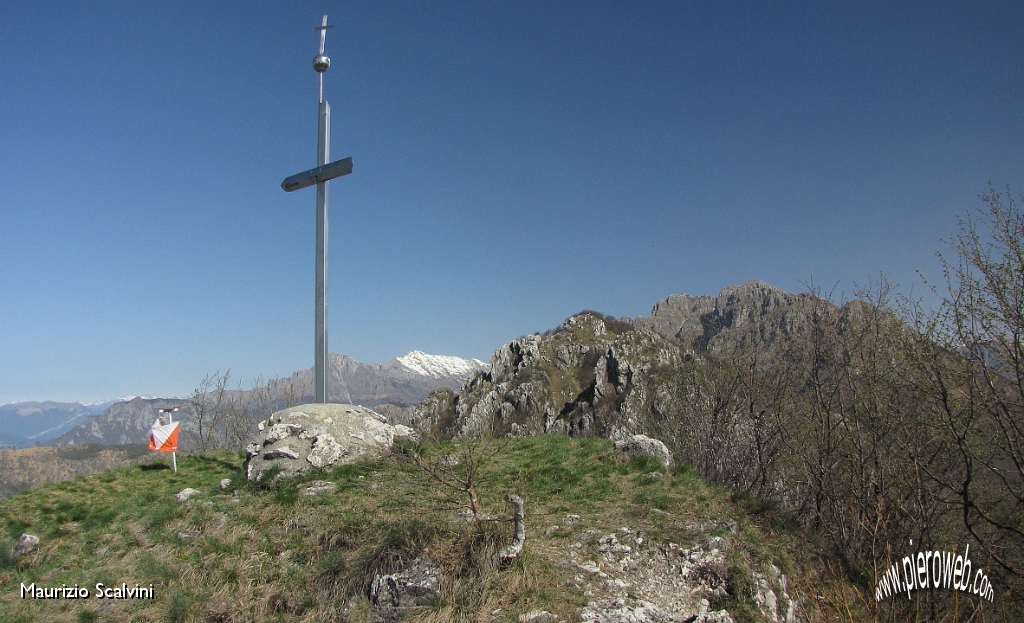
(267, 553)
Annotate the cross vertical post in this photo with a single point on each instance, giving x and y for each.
(320, 367)
(320, 356)
(320, 176)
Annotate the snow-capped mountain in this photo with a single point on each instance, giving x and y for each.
(440, 366)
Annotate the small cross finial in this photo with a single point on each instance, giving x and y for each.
(323, 32)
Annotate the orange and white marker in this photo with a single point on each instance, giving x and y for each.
(163, 436)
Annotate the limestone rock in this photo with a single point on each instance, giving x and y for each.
(326, 451)
(277, 432)
(771, 595)
(611, 549)
(642, 444)
(638, 579)
(404, 432)
(284, 452)
(185, 494)
(718, 616)
(26, 543)
(538, 616)
(319, 435)
(704, 568)
(519, 534)
(624, 610)
(415, 585)
(317, 487)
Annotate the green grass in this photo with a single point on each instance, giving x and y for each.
(269, 554)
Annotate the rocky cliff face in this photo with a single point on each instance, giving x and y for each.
(706, 322)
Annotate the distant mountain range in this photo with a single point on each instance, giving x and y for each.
(401, 381)
(24, 424)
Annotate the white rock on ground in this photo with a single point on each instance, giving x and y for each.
(300, 438)
(185, 494)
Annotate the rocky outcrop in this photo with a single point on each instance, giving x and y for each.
(582, 379)
(296, 439)
(678, 316)
(597, 375)
(624, 610)
(593, 376)
(677, 377)
(772, 597)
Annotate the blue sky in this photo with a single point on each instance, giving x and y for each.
(515, 162)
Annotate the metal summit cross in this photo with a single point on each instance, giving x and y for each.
(319, 176)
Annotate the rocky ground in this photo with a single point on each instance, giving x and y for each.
(631, 578)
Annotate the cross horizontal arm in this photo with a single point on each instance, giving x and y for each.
(323, 173)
